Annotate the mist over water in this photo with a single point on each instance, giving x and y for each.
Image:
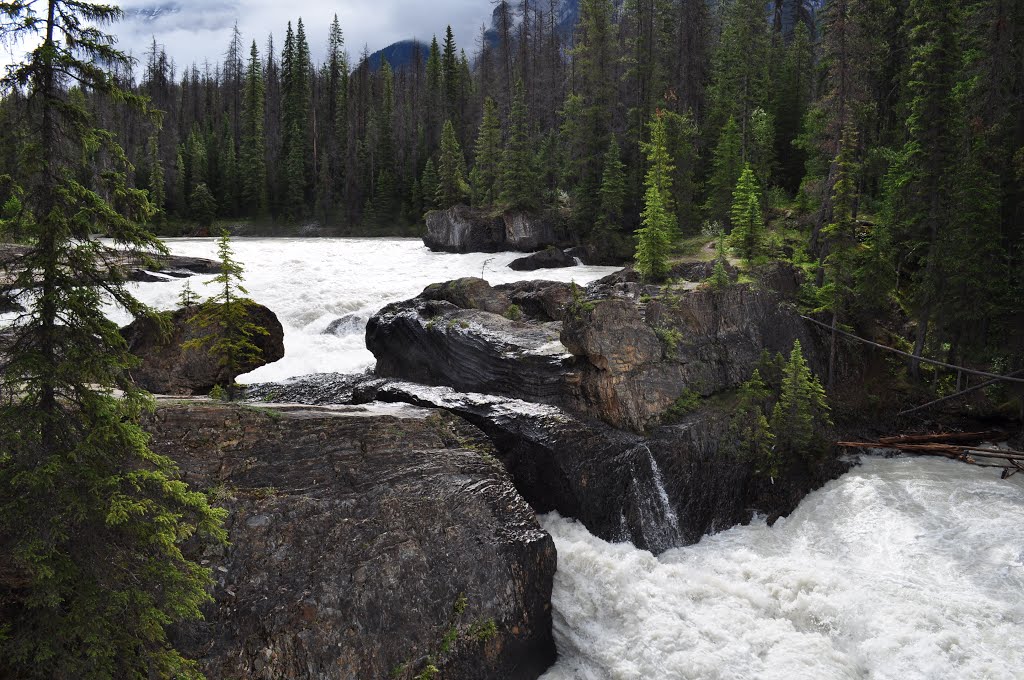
(903, 569)
(311, 282)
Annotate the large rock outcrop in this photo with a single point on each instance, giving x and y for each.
(362, 542)
(621, 351)
(169, 368)
(462, 229)
(549, 258)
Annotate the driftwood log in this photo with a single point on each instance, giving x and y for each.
(941, 444)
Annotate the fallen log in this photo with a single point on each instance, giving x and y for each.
(992, 435)
(1012, 461)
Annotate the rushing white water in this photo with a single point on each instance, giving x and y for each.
(309, 283)
(903, 569)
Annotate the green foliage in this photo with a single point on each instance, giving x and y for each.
(482, 631)
(488, 160)
(613, 189)
(429, 185)
(92, 522)
(801, 412)
(747, 223)
(727, 165)
(670, 339)
(654, 239)
(253, 168)
(519, 188)
(749, 427)
(719, 276)
(202, 205)
(451, 171)
(461, 602)
(187, 297)
(514, 312)
(226, 318)
(688, 402)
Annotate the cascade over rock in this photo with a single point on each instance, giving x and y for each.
(461, 229)
(168, 368)
(353, 533)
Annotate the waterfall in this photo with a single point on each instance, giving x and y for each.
(657, 519)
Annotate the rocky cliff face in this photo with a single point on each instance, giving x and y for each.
(364, 543)
(462, 229)
(168, 368)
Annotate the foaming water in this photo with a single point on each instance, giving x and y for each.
(309, 283)
(903, 569)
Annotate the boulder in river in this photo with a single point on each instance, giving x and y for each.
(168, 368)
(363, 540)
(461, 229)
(549, 258)
(350, 324)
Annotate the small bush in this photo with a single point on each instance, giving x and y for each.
(514, 312)
(688, 402)
(670, 339)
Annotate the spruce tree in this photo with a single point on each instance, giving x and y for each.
(429, 185)
(518, 178)
(727, 164)
(202, 205)
(92, 522)
(801, 412)
(654, 239)
(451, 170)
(488, 158)
(157, 190)
(226, 316)
(253, 168)
(749, 428)
(613, 189)
(747, 223)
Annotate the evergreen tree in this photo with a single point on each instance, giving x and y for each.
(430, 185)
(727, 165)
(613, 189)
(749, 428)
(157, 191)
(226, 316)
(654, 239)
(682, 146)
(450, 80)
(518, 179)
(253, 169)
(487, 164)
(747, 222)
(451, 171)
(434, 105)
(762, 146)
(801, 412)
(202, 205)
(92, 522)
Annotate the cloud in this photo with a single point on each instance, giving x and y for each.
(199, 30)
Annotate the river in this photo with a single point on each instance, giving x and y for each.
(903, 569)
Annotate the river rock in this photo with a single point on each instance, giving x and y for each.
(549, 258)
(167, 368)
(355, 534)
(350, 324)
(461, 229)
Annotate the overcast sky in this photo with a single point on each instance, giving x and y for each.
(201, 29)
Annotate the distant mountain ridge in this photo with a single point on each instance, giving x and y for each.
(399, 54)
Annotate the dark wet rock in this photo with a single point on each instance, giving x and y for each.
(167, 368)
(438, 343)
(538, 300)
(585, 254)
(462, 229)
(353, 532)
(549, 258)
(699, 271)
(350, 324)
(469, 293)
(143, 276)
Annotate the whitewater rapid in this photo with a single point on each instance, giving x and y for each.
(903, 569)
(310, 282)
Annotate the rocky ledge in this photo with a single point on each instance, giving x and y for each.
(364, 543)
(462, 229)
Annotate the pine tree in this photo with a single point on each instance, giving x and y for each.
(762, 146)
(429, 185)
(157, 191)
(613, 189)
(488, 158)
(682, 146)
(518, 178)
(92, 522)
(226, 316)
(727, 164)
(451, 171)
(434, 104)
(801, 412)
(451, 82)
(747, 222)
(749, 428)
(654, 239)
(253, 168)
(202, 205)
